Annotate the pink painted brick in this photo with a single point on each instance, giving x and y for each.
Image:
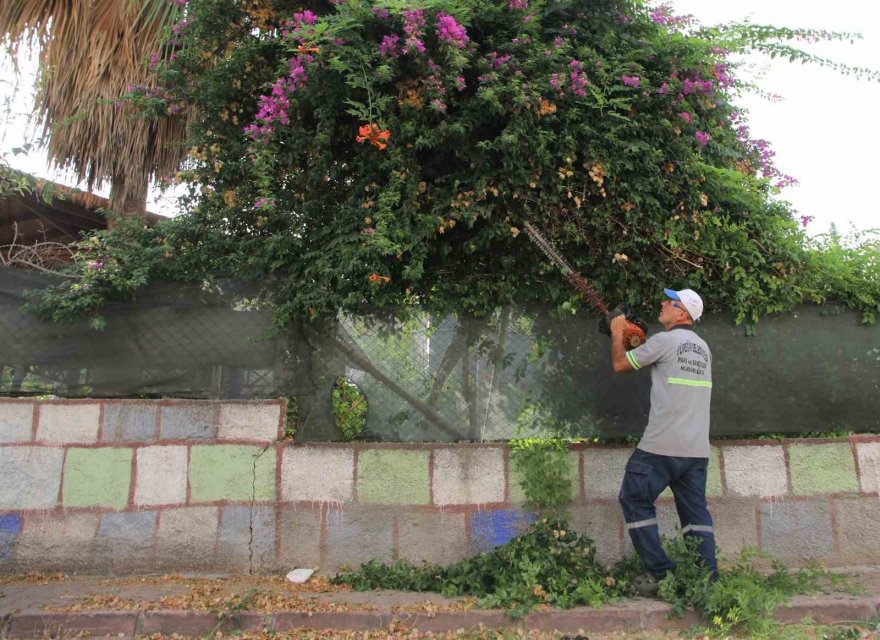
(736, 524)
(201, 623)
(187, 537)
(336, 620)
(16, 421)
(857, 538)
(250, 421)
(755, 470)
(69, 422)
(317, 474)
(603, 471)
(435, 538)
(869, 465)
(468, 476)
(62, 625)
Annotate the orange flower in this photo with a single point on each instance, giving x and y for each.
(375, 277)
(372, 134)
(306, 49)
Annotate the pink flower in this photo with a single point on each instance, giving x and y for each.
(388, 48)
(702, 137)
(631, 81)
(264, 203)
(413, 44)
(413, 22)
(578, 78)
(689, 86)
(450, 31)
(305, 17)
(805, 220)
(460, 83)
(95, 265)
(664, 89)
(686, 116)
(518, 5)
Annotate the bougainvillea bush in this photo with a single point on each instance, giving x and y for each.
(375, 155)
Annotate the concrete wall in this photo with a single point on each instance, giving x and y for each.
(169, 485)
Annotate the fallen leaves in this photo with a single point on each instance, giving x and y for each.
(269, 594)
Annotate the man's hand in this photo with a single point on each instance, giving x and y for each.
(618, 354)
(618, 324)
(605, 320)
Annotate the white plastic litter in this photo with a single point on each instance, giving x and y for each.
(299, 576)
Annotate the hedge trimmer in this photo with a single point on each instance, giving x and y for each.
(636, 330)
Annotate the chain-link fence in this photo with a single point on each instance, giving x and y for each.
(428, 378)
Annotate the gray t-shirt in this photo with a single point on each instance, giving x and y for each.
(681, 388)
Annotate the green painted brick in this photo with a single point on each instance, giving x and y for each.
(231, 472)
(515, 491)
(822, 468)
(713, 481)
(393, 477)
(713, 477)
(97, 477)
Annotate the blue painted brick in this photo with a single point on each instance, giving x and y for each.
(492, 528)
(129, 422)
(120, 535)
(189, 422)
(235, 534)
(10, 527)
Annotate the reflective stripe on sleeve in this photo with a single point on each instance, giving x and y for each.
(640, 524)
(690, 383)
(633, 361)
(698, 527)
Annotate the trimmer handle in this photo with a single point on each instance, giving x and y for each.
(636, 331)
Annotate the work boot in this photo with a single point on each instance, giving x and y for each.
(646, 585)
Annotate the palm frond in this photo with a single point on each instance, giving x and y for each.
(90, 52)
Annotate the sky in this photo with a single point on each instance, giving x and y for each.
(824, 130)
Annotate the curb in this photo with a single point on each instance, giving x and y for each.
(632, 615)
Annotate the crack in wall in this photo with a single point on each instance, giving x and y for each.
(253, 507)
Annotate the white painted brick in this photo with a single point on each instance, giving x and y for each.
(755, 471)
(869, 465)
(161, 475)
(317, 474)
(16, 421)
(69, 422)
(30, 477)
(251, 421)
(603, 471)
(468, 476)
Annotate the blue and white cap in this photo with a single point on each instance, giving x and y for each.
(689, 298)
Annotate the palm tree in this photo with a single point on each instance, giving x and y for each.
(90, 51)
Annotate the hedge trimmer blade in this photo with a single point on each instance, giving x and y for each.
(548, 249)
(580, 283)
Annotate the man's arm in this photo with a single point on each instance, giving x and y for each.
(619, 361)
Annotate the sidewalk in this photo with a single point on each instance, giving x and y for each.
(60, 605)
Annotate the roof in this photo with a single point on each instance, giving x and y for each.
(52, 212)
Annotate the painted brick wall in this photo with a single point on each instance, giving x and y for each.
(128, 486)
